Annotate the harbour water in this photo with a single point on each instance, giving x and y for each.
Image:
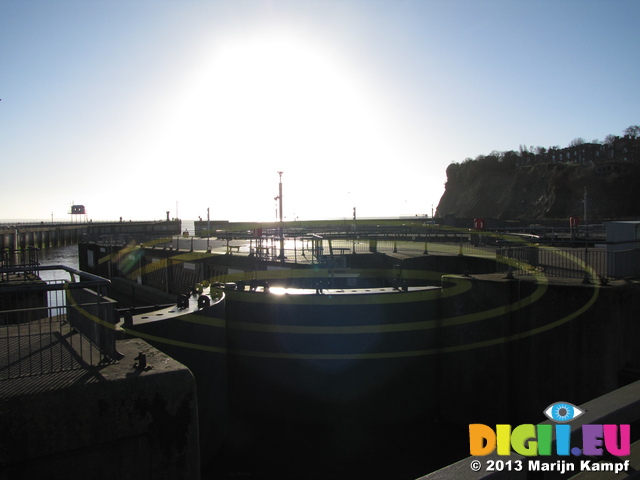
(67, 255)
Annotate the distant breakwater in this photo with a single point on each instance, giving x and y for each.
(19, 237)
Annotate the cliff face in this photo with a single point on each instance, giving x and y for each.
(543, 191)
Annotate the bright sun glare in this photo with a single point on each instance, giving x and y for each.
(275, 102)
(276, 95)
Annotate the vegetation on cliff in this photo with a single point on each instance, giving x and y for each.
(539, 183)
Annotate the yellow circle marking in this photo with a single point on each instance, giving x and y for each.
(451, 321)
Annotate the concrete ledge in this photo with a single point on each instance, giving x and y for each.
(125, 423)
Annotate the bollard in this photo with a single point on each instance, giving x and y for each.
(183, 301)
(203, 301)
(142, 362)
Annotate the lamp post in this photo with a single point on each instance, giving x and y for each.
(279, 198)
(586, 228)
(355, 231)
(208, 229)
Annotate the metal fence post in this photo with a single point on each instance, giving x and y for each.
(509, 267)
(585, 279)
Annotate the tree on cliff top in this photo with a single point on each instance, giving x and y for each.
(633, 131)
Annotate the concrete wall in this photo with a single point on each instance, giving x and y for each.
(174, 336)
(118, 423)
(512, 347)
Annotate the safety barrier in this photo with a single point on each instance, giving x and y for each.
(587, 264)
(54, 319)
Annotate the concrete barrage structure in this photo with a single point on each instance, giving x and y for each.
(43, 235)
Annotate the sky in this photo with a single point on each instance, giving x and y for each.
(135, 108)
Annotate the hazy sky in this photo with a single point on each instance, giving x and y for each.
(136, 107)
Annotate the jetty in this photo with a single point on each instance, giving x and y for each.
(15, 237)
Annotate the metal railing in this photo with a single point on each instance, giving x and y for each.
(516, 255)
(29, 257)
(318, 249)
(54, 319)
(585, 263)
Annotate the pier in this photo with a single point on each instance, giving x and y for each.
(20, 236)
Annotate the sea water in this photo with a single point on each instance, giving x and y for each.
(66, 255)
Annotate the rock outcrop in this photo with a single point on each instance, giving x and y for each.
(540, 192)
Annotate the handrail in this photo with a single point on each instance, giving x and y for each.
(88, 279)
(38, 316)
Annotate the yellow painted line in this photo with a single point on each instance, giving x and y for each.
(373, 356)
(202, 320)
(531, 332)
(117, 255)
(121, 256)
(462, 286)
(177, 343)
(163, 263)
(380, 355)
(75, 305)
(451, 321)
(397, 327)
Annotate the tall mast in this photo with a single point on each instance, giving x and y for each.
(281, 218)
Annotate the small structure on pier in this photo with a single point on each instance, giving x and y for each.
(77, 212)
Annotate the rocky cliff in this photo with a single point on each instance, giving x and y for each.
(541, 192)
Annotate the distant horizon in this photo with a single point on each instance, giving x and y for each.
(117, 220)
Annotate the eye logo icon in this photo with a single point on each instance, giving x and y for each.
(563, 412)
